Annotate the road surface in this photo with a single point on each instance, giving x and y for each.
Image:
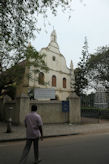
(78, 149)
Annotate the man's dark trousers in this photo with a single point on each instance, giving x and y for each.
(27, 149)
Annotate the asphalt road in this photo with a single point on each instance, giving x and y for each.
(85, 149)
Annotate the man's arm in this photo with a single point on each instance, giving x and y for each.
(25, 123)
(41, 132)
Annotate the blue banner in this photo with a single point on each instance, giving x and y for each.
(65, 106)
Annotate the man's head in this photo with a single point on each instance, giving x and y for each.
(34, 107)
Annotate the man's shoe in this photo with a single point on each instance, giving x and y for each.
(38, 161)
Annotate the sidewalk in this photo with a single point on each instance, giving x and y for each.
(53, 130)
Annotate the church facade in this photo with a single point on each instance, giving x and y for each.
(60, 78)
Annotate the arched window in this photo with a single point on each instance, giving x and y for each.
(41, 78)
(53, 58)
(64, 82)
(53, 81)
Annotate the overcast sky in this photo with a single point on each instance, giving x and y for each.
(89, 18)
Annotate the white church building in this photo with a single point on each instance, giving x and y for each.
(60, 79)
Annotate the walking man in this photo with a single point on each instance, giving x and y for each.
(33, 124)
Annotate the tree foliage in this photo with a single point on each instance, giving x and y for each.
(13, 76)
(98, 66)
(35, 61)
(81, 80)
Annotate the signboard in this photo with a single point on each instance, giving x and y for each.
(65, 106)
(44, 93)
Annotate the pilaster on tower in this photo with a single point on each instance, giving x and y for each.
(72, 77)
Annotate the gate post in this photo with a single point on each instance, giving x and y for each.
(23, 106)
(74, 108)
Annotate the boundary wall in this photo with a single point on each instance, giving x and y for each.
(50, 111)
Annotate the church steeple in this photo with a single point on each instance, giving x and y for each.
(53, 45)
(53, 36)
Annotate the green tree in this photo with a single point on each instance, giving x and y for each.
(98, 66)
(14, 75)
(81, 80)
